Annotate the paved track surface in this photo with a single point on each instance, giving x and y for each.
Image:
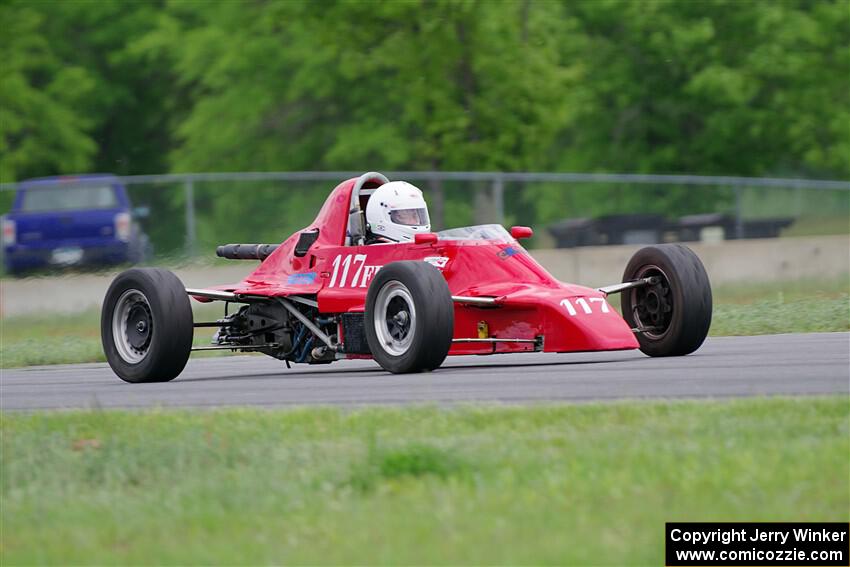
(724, 367)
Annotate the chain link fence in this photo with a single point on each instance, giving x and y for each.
(187, 215)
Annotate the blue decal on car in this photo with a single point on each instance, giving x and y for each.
(301, 279)
(509, 251)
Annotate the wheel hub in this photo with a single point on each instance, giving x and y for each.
(652, 305)
(132, 326)
(395, 317)
(398, 318)
(138, 326)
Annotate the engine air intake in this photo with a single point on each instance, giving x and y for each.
(245, 251)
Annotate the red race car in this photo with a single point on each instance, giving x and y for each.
(367, 279)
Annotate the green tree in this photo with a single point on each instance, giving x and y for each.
(73, 97)
(656, 86)
(132, 102)
(722, 87)
(41, 131)
(437, 85)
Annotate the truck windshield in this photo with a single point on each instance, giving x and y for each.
(68, 198)
(478, 232)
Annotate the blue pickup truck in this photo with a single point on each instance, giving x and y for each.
(72, 221)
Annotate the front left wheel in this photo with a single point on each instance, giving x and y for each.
(409, 317)
(146, 325)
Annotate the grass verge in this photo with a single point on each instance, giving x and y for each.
(745, 309)
(805, 306)
(71, 338)
(590, 484)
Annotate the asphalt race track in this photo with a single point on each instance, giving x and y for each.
(808, 364)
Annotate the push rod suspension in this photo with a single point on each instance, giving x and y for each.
(617, 288)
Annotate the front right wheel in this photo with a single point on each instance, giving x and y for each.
(672, 315)
(409, 317)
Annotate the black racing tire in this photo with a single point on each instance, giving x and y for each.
(146, 325)
(409, 317)
(677, 309)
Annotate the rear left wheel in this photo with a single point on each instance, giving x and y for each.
(146, 325)
(409, 317)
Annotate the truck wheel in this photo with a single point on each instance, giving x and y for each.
(409, 317)
(675, 313)
(146, 325)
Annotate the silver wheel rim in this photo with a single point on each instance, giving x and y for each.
(395, 318)
(132, 326)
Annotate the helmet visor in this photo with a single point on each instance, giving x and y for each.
(410, 217)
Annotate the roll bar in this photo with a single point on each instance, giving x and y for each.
(356, 222)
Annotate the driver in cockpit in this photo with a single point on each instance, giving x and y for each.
(396, 211)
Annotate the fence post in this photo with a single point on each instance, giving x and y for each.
(189, 191)
(438, 201)
(739, 213)
(499, 199)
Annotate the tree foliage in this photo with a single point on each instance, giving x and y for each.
(41, 127)
(75, 96)
(653, 86)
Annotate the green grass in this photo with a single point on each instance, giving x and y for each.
(771, 316)
(70, 338)
(55, 339)
(818, 226)
(805, 306)
(587, 484)
(743, 309)
(793, 290)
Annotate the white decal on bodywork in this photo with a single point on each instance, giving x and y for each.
(437, 261)
(363, 273)
(585, 306)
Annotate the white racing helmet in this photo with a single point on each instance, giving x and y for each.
(397, 211)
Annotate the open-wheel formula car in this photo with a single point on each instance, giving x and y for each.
(324, 295)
